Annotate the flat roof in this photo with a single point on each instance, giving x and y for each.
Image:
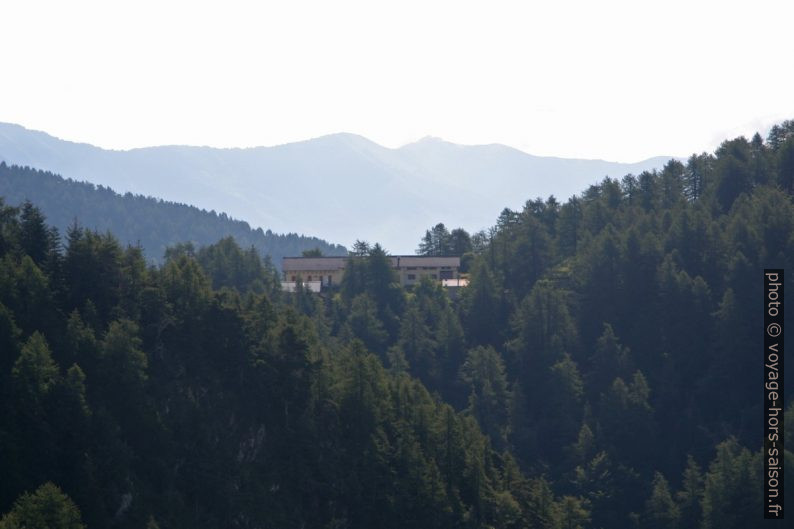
(421, 260)
(338, 262)
(313, 263)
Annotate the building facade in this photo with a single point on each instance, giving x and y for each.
(330, 270)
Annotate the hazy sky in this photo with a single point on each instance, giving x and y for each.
(609, 79)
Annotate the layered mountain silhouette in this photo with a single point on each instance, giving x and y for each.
(153, 224)
(340, 187)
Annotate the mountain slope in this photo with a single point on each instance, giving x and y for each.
(339, 187)
(153, 223)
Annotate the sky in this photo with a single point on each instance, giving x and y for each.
(614, 80)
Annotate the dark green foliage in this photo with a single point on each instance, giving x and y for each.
(365, 324)
(435, 242)
(9, 337)
(372, 274)
(34, 373)
(195, 395)
(38, 241)
(785, 164)
(661, 512)
(439, 241)
(733, 172)
(25, 290)
(732, 493)
(313, 252)
(137, 220)
(482, 307)
(658, 277)
(587, 377)
(47, 508)
(690, 496)
(780, 133)
(698, 172)
(431, 341)
(489, 396)
(610, 360)
(459, 242)
(228, 265)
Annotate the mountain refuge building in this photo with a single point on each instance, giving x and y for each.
(324, 272)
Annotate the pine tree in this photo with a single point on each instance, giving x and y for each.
(365, 324)
(48, 507)
(690, 496)
(9, 340)
(785, 164)
(733, 175)
(489, 397)
(610, 360)
(481, 305)
(35, 372)
(661, 512)
(36, 238)
(572, 513)
(732, 494)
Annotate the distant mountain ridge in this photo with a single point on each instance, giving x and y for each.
(339, 187)
(134, 219)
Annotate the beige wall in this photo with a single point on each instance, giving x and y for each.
(408, 275)
(411, 277)
(314, 275)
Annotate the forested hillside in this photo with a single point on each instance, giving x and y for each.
(344, 186)
(601, 370)
(135, 219)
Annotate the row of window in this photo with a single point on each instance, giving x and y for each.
(309, 278)
(412, 277)
(445, 274)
